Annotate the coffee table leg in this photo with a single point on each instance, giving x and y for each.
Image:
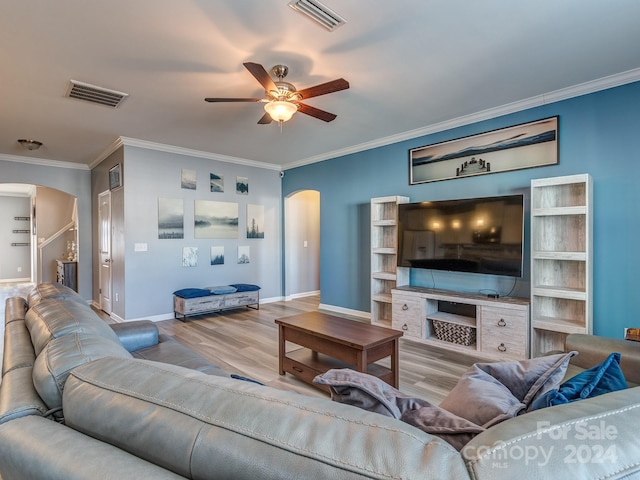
(362, 361)
(281, 349)
(395, 367)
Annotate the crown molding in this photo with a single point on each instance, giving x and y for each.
(43, 162)
(161, 147)
(586, 88)
(108, 151)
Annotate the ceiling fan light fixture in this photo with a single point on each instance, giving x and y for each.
(280, 110)
(30, 144)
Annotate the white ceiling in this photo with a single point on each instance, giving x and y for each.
(412, 64)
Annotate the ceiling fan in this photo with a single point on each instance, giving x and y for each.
(282, 99)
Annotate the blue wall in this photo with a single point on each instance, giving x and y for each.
(599, 134)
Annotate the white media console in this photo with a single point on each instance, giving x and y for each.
(493, 328)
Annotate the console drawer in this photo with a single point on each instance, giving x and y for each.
(408, 315)
(504, 333)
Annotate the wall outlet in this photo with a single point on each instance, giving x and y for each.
(116, 296)
(19, 269)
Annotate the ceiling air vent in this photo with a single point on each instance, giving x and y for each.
(95, 94)
(319, 13)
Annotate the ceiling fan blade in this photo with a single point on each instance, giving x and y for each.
(324, 88)
(261, 75)
(315, 112)
(265, 119)
(232, 99)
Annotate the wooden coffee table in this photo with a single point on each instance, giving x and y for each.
(334, 342)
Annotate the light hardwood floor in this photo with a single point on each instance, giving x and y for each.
(245, 341)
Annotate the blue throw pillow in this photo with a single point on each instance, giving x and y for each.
(604, 378)
(245, 287)
(192, 293)
(222, 289)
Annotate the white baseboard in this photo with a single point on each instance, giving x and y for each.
(271, 300)
(117, 318)
(322, 306)
(171, 316)
(16, 280)
(293, 296)
(345, 311)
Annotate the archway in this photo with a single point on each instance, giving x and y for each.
(302, 244)
(43, 227)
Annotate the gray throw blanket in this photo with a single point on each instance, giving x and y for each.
(486, 394)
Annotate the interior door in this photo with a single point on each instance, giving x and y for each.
(104, 213)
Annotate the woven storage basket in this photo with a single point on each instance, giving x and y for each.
(454, 333)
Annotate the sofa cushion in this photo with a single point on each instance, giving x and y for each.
(46, 290)
(203, 426)
(63, 354)
(37, 448)
(489, 393)
(53, 317)
(168, 350)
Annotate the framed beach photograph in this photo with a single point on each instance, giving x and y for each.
(115, 177)
(528, 145)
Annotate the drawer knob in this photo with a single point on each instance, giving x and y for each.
(405, 307)
(502, 348)
(502, 323)
(297, 369)
(405, 327)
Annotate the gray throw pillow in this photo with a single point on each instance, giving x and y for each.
(489, 393)
(370, 393)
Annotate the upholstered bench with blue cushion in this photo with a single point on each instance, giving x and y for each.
(197, 301)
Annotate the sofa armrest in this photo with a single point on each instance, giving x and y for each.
(594, 438)
(593, 350)
(137, 334)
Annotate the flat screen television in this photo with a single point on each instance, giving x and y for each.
(477, 235)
